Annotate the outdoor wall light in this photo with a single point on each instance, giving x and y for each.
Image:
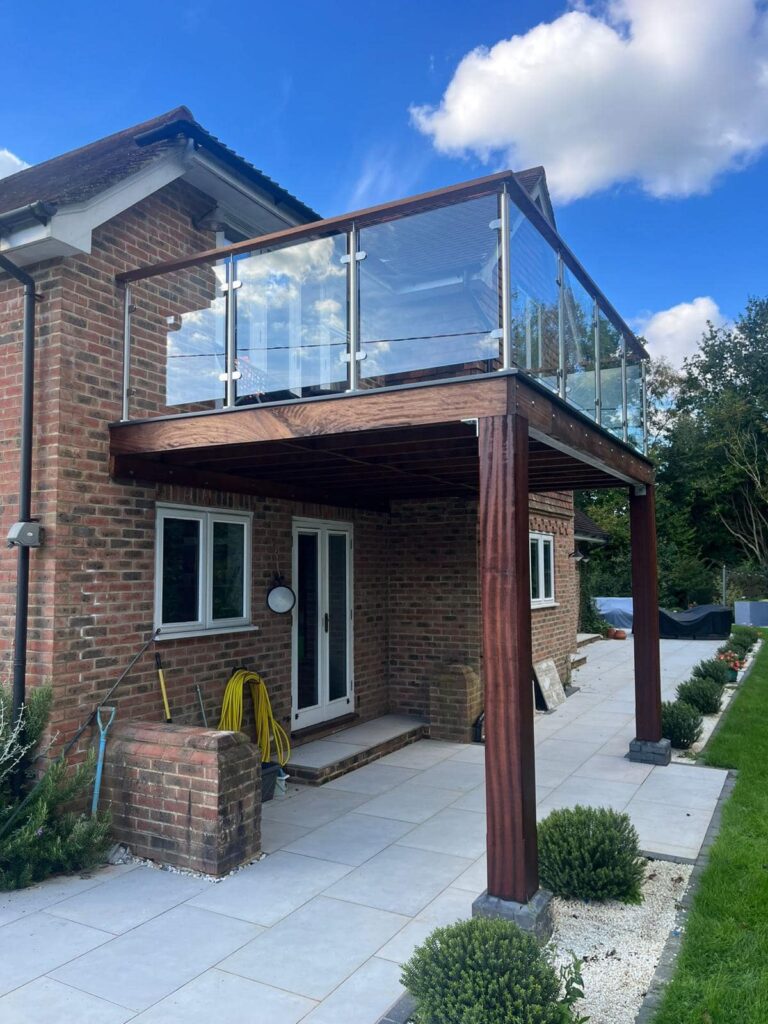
(280, 597)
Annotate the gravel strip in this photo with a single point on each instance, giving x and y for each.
(620, 944)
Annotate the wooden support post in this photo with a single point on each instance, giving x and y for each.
(507, 668)
(648, 744)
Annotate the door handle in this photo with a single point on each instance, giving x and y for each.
(326, 621)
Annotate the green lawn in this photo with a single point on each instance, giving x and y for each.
(721, 976)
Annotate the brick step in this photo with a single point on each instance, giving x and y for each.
(321, 760)
(578, 660)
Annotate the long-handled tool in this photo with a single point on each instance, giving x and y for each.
(202, 706)
(5, 828)
(103, 730)
(163, 691)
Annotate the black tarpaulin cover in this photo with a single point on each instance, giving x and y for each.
(705, 622)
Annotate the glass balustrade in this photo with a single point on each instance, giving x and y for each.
(429, 295)
(409, 296)
(534, 302)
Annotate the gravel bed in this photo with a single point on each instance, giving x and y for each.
(620, 945)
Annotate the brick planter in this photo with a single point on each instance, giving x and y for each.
(183, 795)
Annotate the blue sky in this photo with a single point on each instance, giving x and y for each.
(633, 109)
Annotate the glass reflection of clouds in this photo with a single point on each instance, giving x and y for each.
(195, 340)
(291, 321)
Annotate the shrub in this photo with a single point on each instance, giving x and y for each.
(43, 838)
(738, 644)
(704, 694)
(749, 633)
(590, 853)
(712, 669)
(488, 971)
(680, 723)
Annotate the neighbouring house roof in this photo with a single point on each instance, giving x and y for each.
(587, 530)
(82, 173)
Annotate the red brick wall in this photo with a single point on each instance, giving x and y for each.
(187, 797)
(434, 594)
(416, 601)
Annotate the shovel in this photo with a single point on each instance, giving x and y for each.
(103, 730)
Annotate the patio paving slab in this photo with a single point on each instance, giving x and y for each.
(218, 996)
(130, 900)
(311, 808)
(410, 801)
(400, 879)
(45, 1001)
(351, 839)
(452, 830)
(142, 966)
(372, 779)
(267, 891)
(14, 905)
(363, 997)
(38, 943)
(316, 948)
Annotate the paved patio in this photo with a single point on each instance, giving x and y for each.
(359, 872)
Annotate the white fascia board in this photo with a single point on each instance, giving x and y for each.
(246, 205)
(70, 229)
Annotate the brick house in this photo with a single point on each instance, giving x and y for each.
(218, 421)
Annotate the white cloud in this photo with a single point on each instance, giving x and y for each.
(675, 333)
(666, 93)
(10, 163)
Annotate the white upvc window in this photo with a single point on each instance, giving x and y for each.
(542, 554)
(202, 570)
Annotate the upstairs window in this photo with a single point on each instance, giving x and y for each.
(542, 549)
(202, 571)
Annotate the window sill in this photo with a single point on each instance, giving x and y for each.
(178, 634)
(545, 604)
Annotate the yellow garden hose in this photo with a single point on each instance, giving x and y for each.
(267, 729)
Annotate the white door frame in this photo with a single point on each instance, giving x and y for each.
(325, 710)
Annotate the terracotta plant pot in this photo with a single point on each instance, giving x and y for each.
(619, 634)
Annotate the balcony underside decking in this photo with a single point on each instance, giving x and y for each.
(367, 449)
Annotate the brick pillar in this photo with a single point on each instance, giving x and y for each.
(183, 795)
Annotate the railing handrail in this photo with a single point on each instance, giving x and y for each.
(447, 196)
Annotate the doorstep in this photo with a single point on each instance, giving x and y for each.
(321, 760)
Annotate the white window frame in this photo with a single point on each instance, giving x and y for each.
(542, 540)
(206, 517)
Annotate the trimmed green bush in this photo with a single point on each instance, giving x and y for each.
(591, 853)
(680, 723)
(738, 644)
(706, 695)
(749, 633)
(488, 971)
(712, 669)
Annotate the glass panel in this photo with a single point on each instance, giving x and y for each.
(535, 586)
(292, 321)
(634, 400)
(534, 301)
(338, 616)
(307, 610)
(429, 295)
(579, 338)
(546, 546)
(181, 570)
(610, 376)
(228, 571)
(178, 332)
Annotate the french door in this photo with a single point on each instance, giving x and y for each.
(323, 687)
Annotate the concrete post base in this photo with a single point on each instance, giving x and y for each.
(535, 916)
(650, 752)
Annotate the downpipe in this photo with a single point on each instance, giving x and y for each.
(25, 533)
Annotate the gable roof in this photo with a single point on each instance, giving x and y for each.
(82, 173)
(586, 529)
